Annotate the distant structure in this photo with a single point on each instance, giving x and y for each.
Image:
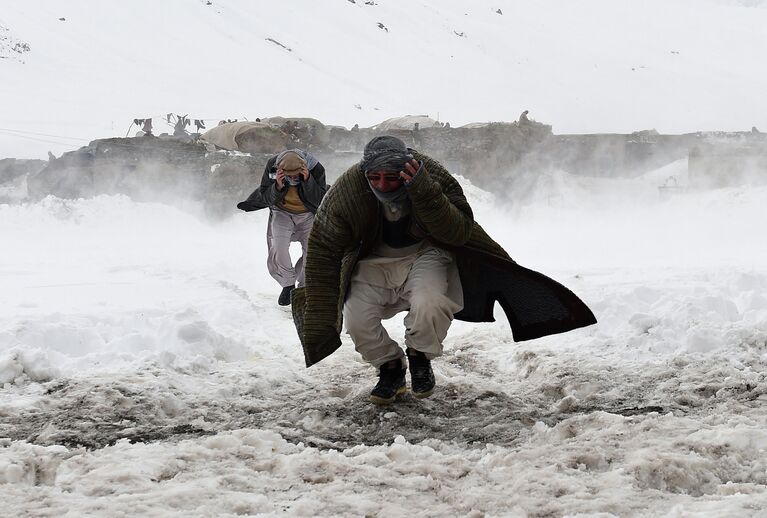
(147, 127)
(179, 129)
(290, 127)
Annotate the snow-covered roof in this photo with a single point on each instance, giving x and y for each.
(406, 122)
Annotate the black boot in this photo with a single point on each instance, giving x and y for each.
(391, 383)
(284, 299)
(421, 375)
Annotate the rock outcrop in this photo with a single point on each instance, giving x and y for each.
(13, 178)
(167, 168)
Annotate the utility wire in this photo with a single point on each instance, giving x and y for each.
(32, 135)
(36, 139)
(42, 134)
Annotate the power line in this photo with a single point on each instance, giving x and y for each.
(42, 134)
(32, 135)
(36, 139)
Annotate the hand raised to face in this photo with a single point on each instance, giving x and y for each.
(411, 168)
(280, 179)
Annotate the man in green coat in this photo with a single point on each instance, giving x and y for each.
(395, 233)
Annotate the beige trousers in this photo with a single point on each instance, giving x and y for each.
(424, 295)
(283, 229)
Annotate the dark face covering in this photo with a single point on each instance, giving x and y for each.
(397, 196)
(385, 153)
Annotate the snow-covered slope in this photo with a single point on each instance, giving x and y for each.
(588, 66)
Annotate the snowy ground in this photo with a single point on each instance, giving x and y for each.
(146, 370)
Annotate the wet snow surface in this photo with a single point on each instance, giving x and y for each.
(146, 369)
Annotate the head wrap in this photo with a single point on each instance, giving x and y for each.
(384, 153)
(290, 161)
(309, 159)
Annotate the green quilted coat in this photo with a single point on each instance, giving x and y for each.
(347, 226)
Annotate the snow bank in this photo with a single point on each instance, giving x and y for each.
(602, 459)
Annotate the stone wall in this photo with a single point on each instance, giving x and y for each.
(151, 168)
(13, 178)
(145, 168)
(727, 162)
(478, 152)
(167, 168)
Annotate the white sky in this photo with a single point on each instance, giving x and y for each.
(144, 321)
